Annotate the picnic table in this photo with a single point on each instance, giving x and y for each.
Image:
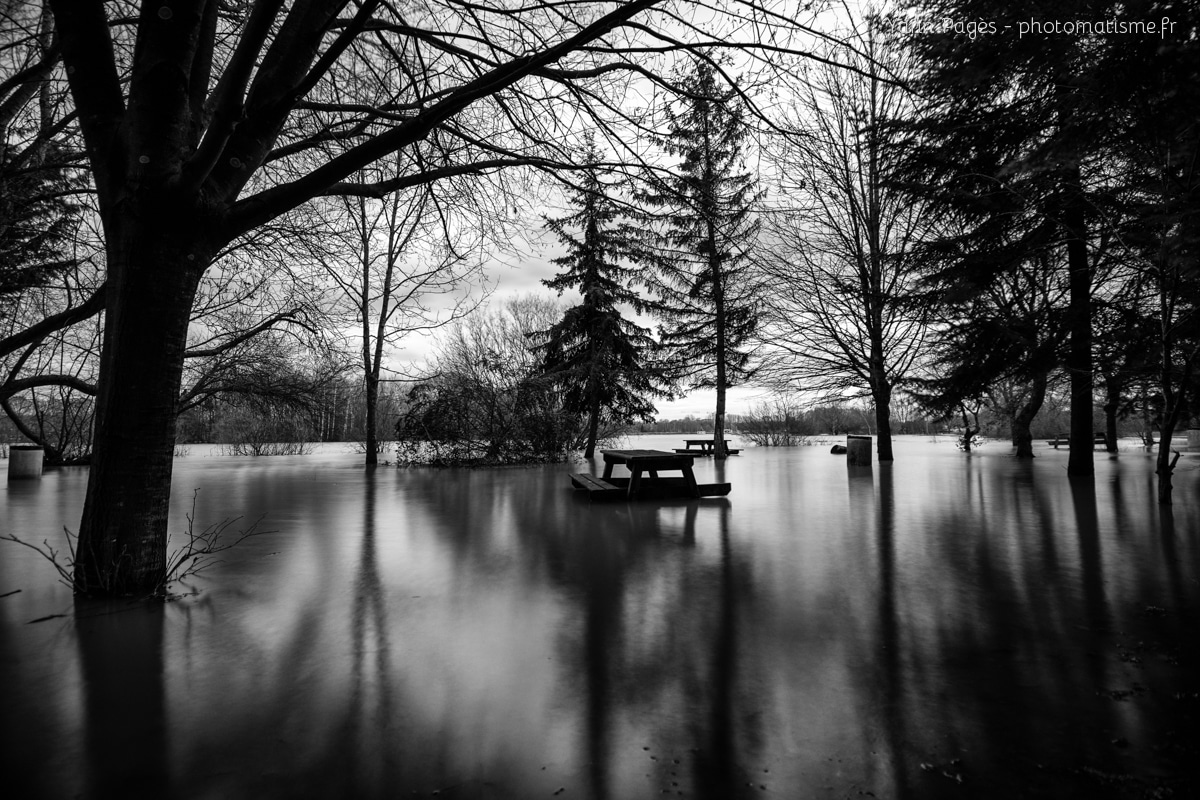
(703, 447)
(644, 480)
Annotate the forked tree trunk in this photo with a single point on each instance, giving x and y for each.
(1164, 464)
(153, 272)
(1022, 436)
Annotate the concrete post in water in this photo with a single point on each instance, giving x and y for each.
(24, 461)
(858, 451)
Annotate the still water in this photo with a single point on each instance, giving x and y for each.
(948, 626)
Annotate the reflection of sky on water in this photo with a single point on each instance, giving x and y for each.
(947, 624)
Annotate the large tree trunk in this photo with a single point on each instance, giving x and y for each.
(153, 271)
(881, 393)
(1079, 354)
(1022, 436)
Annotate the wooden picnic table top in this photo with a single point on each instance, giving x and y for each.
(644, 466)
(626, 456)
(702, 442)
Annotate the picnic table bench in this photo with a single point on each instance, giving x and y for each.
(644, 480)
(1099, 439)
(703, 447)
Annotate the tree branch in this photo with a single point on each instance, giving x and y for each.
(56, 322)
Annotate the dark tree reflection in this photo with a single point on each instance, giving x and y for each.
(121, 654)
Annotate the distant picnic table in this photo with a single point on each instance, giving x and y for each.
(644, 480)
(703, 447)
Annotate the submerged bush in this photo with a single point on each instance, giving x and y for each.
(457, 421)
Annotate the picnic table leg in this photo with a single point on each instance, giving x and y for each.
(635, 480)
(689, 478)
(608, 465)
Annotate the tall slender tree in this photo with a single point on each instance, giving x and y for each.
(838, 316)
(704, 215)
(601, 360)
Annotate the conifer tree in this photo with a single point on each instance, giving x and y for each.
(601, 361)
(1013, 143)
(705, 230)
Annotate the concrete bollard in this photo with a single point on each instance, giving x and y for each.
(858, 451)
(24, 461)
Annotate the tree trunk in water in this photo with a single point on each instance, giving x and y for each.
(1112, 402)
(883, 422)
(1164, 464)
(372, 419)
(593, 427)
(1022, 437)
(1079, 355)
(719, 451)
(153, 271)
(968, 433)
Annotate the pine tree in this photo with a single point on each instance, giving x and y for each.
(1014, 146)
(706, 229)
(37, 219)
(600, 360)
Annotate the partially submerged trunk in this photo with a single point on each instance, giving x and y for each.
(153, 271)
(719, 449)
(1022, 436)
(372, 419)
(593, 433)
(882, 395)
(1112, 403)
(1079, 354)
(1164, 465)
(968, 431)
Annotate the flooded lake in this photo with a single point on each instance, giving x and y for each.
(947, 626)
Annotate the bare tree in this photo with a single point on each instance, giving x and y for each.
(403, 269)
(838, 270)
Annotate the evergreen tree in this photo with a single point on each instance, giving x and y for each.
(37, 219)
(599, 359)
(706, 230)
(1012, 148)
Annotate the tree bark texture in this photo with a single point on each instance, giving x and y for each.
(153, 274)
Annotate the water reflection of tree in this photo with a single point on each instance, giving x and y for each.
(121, 655)
(1006, 659)
(653, 654)
(368, 723)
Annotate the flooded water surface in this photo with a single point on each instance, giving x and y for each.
(947, 626)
